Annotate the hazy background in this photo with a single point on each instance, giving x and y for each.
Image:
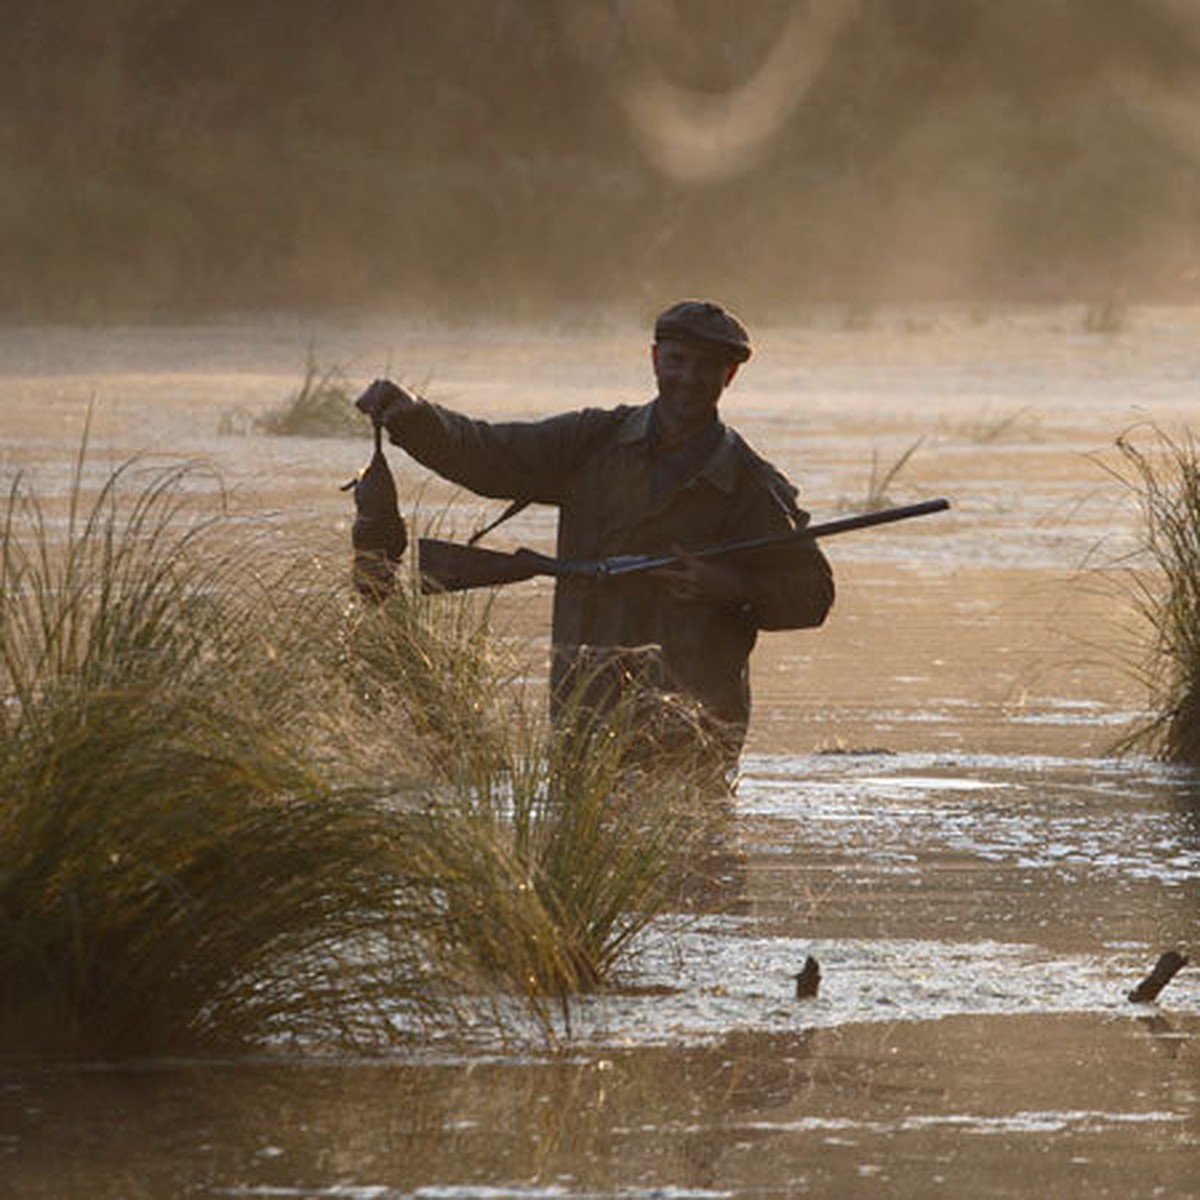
(507, 158)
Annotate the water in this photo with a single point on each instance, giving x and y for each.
(929, 805)
(971, 1034)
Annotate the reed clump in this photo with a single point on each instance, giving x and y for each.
(241, 806)
(322, 406)
(1163, 585)
(884, 475)
(551, 870)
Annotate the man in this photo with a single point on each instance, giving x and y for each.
(662, 477)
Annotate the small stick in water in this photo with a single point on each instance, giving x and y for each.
(1164, 971)
(808, 979)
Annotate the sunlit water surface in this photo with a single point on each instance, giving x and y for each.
(929, 806)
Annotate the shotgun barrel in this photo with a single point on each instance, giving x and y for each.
(454, 567)
(628, 564)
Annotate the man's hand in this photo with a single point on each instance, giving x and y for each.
(387, 404)
(702, 581)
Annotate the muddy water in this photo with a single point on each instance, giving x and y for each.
(929, 804)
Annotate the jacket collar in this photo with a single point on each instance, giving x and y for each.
(720, 469)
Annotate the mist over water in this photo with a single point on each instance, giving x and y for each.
(511, 157)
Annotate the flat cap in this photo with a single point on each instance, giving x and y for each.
(705, 322)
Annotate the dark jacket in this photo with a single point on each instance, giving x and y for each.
(599, 467)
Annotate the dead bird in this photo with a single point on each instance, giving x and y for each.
(379, 535)
(808, 979)
(1168, 965)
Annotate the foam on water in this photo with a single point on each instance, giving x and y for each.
(1111, 847)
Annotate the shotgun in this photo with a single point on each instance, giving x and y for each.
(453, 567)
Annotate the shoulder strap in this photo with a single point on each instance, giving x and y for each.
(511, 511)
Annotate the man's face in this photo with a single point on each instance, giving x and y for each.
(690, 378)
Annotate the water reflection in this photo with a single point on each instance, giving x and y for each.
(1072, 1102)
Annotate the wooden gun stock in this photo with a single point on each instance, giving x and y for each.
(454, 567)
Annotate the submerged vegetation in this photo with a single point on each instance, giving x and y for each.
(237, 810)
(1163, 582)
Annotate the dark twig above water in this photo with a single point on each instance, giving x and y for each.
(1167, 967)
(808, 979)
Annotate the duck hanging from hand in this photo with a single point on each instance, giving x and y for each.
(379, 535)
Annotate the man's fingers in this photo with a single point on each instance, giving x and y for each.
(378, 398)
(369, 401)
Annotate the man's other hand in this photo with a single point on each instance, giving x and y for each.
(701, 581)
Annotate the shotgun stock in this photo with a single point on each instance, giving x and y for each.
(453, 567)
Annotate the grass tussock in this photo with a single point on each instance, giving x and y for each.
(183, 858)
(239, 805)
(548, 880)
(322, 406)
(1162, 581)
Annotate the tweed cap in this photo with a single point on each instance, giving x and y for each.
(705, 322)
